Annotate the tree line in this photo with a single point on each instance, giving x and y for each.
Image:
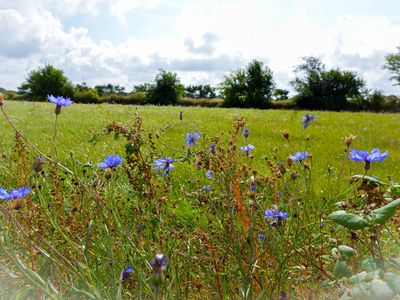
(315, 86)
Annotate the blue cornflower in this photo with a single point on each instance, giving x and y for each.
(307, 120)
(206, 188)
(209, 174)
(191, 138)
(253, 187)
(111, 161)
(159, 263)
(299, 156)
(127, 272)
(366, 157)
(59, 102)
(212, 149)
(261, 237)
(14, 194)
(247, 149)
(246, 132)
(164, 164)
(275, 214)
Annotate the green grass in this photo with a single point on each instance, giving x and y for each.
(78, 123)
(94, 223)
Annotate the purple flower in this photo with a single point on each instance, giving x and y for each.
(247, 149)
(209, 174)
(127, 272)
(299, 156)
(366, 157)
(206, 188)
(164, 164)
(253, 187)
(159, 263)
(59, 102)
(275, 214)
(261, 237)
(111, 161)
(307, 120)
(246, 132)
(191, 138)
(14, 194)
(180, 116)
(212, 149)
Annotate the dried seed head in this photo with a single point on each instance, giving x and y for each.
(349, 140)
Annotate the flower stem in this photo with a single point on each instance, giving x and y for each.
(54, 137)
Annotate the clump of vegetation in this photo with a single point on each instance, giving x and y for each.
(195, 218)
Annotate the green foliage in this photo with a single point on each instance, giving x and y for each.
(249, 87)
(348, 220)
(384, 213)
(166, 89)
(393, 65)
(200, 91)
(88, 95)
(46, 80)
(110, 89)
(318, 88)
(280, 94)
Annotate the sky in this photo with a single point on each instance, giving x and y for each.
(127, 42)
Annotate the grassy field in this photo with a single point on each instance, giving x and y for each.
(92, 224)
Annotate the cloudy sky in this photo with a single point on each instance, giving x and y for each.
(126, 42)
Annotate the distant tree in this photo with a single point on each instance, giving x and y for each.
(46, 80)
(166, 89)
(144, 87)
(280, 94)
(82, 87)
(318, 88)
(393, 65)
(248, 87)
(109, 89)
(200, 91)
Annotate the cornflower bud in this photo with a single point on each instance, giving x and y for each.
(285, 134)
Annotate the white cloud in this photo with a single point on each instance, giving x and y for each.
(210, 39)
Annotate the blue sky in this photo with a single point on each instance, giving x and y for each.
(126, 42)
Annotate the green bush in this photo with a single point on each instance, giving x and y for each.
(202, 102)
(166, 89)
(87, 96)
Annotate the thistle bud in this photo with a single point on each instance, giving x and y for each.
(349, 140)
(285, 134)
(289, 161)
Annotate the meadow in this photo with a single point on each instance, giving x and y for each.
(132, 232)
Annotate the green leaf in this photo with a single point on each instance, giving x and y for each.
(393, 280)
(360, 277)
(371, 264)
(381, 215)
(130, 149)
(368, 179)
(342, 269)
(381, 290)
(327, 283)
(346, 252)
(349, 221)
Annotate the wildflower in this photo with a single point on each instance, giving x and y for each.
(299, 156)
(253, 187)
(159, 263)
(59, 102)
(366, 157)
(191, 138)
(212, 149)
(285, 134)
(14, 194)
(180, 116)
(247, 149)
(164, 164)
(246, 132)
(275, 214)
(111, 161)
(1, 99)
(127, 272)
(206, 188)
(261, 237)
(307, 120)
(209, 174)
